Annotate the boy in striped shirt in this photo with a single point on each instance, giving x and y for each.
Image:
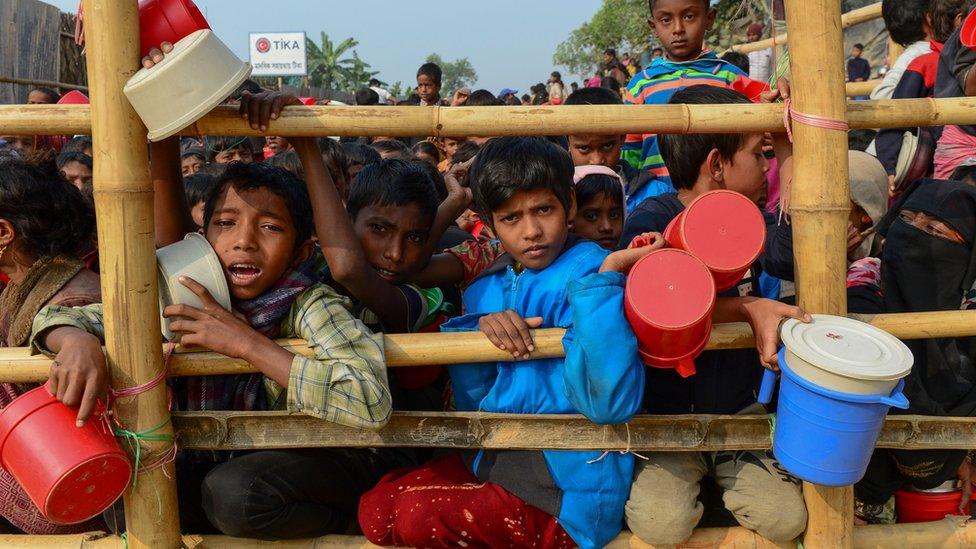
(680, 26)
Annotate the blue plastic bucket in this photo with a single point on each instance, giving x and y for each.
(822, 436)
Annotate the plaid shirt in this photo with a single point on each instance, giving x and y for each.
(345, 382)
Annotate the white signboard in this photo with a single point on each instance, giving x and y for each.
(278, 54)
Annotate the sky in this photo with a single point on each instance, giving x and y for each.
(509, 42)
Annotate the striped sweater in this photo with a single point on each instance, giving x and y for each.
(658, 82)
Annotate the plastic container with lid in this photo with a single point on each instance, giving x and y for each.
(192, 257)
(845, 355)
(668, 302)
(723, 229)
(199, 74)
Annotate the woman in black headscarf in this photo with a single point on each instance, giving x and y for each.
(929, 264)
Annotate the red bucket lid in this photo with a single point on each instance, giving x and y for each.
(724, 229)
(967, 34)
(73, 97)
(669, 290)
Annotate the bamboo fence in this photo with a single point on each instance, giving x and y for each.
(820, 202)
(849, 19)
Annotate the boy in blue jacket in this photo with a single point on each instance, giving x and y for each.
(547, 278)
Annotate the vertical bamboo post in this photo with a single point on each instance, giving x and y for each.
(124, 207)
(819, 204)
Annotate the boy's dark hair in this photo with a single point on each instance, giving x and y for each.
(591, 186)
(509, 165)
(685, 153)
(465, 151)
(213, 169)
(658, 49)
(289, 160)
(50, 216)
(707, 3)
(944, 14)
(859, 46)
(395, 146)
(359, 153)
(904, 19)
(366, 96)
(197, 187)
(610, 51)
(247, 176)
(334, 156)
(194, 151)
(374, 82)
(78, 143)
(482, 98)
(427, 148)
(69, 156)
(433, 70)
(525, 97)
(593, 96)
(860, 140)
(435, 177)
(393, 182)
(53, 94)
(215, 144)
(740, 60)
(556, 74)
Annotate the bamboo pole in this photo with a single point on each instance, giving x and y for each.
(542, 120)
(124, 205)
(45, 83)
(820, 203)
(18, 365)
(467, 430)
(855, 89)
(849, 19)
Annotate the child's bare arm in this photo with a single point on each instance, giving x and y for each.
(79, 376)
(217, 329)
(764, 316)
(170, 211)
(341, 247)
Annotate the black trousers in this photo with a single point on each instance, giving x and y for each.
(278, 494)
(889, 470)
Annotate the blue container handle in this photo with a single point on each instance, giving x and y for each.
(767, 386)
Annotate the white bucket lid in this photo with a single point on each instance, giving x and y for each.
(189, 82)
(195, 258)
(848, 348)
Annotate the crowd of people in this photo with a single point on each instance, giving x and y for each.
(339, 241)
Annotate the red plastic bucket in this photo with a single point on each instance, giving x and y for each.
(73, 97)
(668, 302)
(915, 506)
(723, 229)
(70, 473)
(167, 21)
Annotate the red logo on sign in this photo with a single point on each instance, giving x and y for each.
(263, 45)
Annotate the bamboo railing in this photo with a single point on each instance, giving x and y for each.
(123, 200)
(503, 121)
(849, 19)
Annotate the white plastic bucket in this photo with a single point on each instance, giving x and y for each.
(189, 82)
(192, 257)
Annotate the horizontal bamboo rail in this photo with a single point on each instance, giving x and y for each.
(950, 533)
(849, 19)
(18, 365)
(501, 121)
(459, 430)
(854, 89)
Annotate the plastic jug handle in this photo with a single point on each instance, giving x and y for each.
(897, 400)
(766, 387)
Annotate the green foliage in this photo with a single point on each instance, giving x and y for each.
(337, 66)
(459, 73)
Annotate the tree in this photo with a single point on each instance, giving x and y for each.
(358, 73)
(327, 66)
(456, 74)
